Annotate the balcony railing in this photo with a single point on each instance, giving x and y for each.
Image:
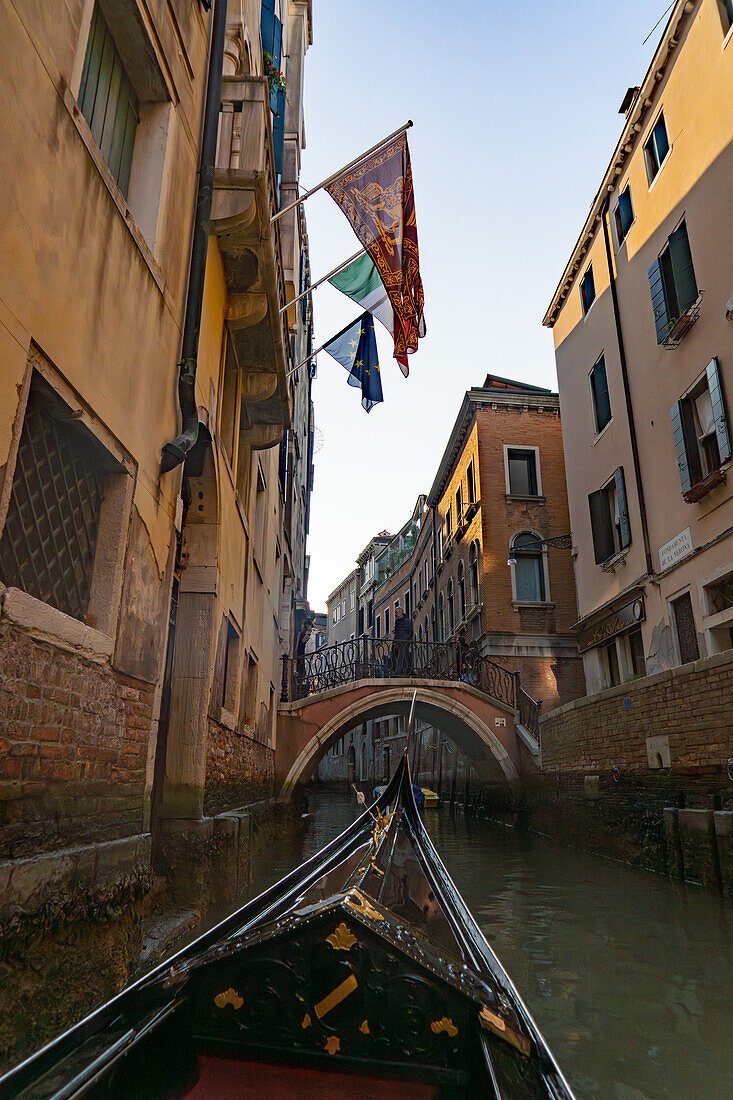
(378, 658)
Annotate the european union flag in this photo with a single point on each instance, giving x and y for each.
(355, 348)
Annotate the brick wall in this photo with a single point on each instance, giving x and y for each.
(73, 747)
(692, 705)
(238, 770)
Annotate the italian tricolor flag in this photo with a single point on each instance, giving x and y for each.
(360, 281)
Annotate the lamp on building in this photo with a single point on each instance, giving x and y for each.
(559, 542)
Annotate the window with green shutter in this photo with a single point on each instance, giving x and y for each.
(672, 282)
(609, 518)
(108, 102)
(599, 393)
(656, 148)
(701, 434)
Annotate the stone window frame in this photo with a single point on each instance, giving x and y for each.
(148, 71)
(507, 447)
(516, 602)
(95, 636)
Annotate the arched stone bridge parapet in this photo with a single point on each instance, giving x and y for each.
(308, 727)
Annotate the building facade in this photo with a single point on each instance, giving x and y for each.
(366, 565)
(342, 610)
(641, 322)
(479, 572)
(144, 611)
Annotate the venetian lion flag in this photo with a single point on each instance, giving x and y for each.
(376, 196)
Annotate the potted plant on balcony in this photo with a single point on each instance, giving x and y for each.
(275, 79)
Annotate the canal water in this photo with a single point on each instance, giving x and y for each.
(628, 975)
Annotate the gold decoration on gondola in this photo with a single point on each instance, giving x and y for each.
(306, 1021)
(228, 997)
(364, 1027)
(446, 1025)
(333, 1044)
(357, 901)
(342, 939)
(491, 1022)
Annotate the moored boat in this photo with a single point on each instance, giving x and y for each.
(362, 973)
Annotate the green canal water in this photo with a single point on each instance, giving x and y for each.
(628, 976)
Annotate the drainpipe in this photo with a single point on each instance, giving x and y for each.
(174, 453)
(627, 394)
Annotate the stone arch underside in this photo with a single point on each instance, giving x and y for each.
(473, 736)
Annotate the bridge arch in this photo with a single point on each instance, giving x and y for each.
(438, 704)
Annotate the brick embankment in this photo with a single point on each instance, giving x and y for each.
(73, 746)
(239, 769)
(611, 763)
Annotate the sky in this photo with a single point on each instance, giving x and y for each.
(515, 111)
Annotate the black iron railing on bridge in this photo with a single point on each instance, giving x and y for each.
(375, 658)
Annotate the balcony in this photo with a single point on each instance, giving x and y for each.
(679, 328)
(703, 487)
(245, 198)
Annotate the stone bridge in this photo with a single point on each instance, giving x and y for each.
(479, 705)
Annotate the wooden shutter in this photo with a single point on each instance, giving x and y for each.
(622, 507)
(600, 525)
(684, 273)
(267, 26)
(217, 686)
(721, 421)
(278, 133)
(659, 302)
(679, 446)
(690, 437)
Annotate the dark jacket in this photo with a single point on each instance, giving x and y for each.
(403, 629)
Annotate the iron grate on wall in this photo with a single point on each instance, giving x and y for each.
(50, 535)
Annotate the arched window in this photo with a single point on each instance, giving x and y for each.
(451, 608)
(432, 621)
(529, 568)
(441, 618)
(427, 627)
(419, 633)
(461, 592)
(473, 573)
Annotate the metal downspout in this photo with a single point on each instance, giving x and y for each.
(627, 394)
(174, 453)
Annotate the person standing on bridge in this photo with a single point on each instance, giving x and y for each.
(402, 645)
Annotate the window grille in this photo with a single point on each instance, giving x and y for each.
(50, 536)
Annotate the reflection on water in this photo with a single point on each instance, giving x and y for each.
(628, 976)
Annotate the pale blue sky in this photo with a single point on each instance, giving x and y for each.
(516, 115)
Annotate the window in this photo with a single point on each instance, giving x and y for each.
(700, 430)
(725, 7)
(471, 484)
(62, 488)
(461, 592)
(599, 393)
(610, 663)
(343, 608)
(656, 148)
(459, 506)
(529, 568)
(125, 99)
(522, 469)
(636, 653)
(226, 671)
(250, 699)
(623, 215)
(588, 290)
(334, 616)
(353, 599)
(228, 419)
(406, 602)
(672, 282)
(108, 102)
(378, 627)
(386, 621)
(432, 623)
(609, 518)
(473, 572)
(684, 622)
(451, 608)
(440, 544)
(441, 618)
(448, 523)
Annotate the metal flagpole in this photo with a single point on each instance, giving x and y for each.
(335, 175)
(313, 286)
(313, 354)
